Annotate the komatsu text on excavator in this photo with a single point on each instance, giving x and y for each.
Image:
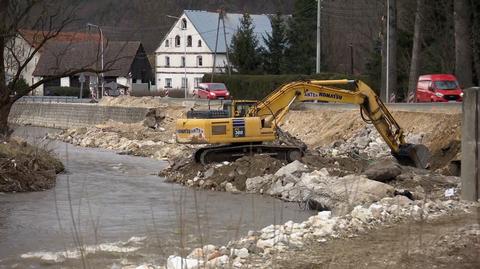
(243, 127)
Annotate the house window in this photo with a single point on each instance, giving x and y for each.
(167, 61)
(168, 83)
(184, 82)
(199, 43)
(189, 41)
(199, 61)
(183, 63)
(196, 81)
(184, 24)
(177, 41)
(167, 43)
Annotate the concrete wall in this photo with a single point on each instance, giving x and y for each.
(58, 115)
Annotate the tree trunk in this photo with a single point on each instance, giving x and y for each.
(476, 38)
(417, 46)
(392, 79)
(463, 43)
(4, 112)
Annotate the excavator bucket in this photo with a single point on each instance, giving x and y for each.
(416, 155)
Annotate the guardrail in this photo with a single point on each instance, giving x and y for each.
(52, 99)
(412, 107)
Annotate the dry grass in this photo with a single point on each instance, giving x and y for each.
(25, 167)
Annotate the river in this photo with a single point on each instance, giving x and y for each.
(121, 212)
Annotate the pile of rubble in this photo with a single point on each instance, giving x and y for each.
(258, 248)
(365, 143)
(133, 139)
(226, 176)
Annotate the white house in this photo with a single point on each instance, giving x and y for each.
(187, 51)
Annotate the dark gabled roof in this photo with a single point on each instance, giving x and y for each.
(61, 57)
(34, 37)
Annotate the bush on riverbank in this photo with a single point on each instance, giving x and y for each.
(25, 167)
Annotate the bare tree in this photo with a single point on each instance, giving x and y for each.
(49, 19)
(463, 43)
(417, 45)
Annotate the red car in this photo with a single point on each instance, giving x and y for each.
(438, 88)
(211, 91)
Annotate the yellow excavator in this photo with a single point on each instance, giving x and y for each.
(243, 127)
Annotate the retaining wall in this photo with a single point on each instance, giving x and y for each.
(64, 115)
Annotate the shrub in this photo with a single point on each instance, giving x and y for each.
(21, 86)
(138, 93)
(66, 91)
(258, 86)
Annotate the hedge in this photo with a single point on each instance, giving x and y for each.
(66, 91)
(258, 86)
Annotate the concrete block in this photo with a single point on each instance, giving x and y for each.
(470, 170)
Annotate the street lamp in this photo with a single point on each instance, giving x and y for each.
(101, 52)
(184, 29)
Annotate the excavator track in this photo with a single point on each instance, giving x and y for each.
(232, 152)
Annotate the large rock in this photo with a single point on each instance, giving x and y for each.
(176, 262)
(258, 184)
(383, 171)
(339, 193)
(294, 169)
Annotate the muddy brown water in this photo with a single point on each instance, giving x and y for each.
(123, 213)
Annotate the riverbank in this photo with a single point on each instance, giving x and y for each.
(25, 167)
(392, 233)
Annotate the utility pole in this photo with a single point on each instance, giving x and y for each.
(102, 78)
(216, 46)
(226, 45)
(319, 50)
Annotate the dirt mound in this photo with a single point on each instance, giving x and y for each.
(440, 132)
(129, 101)
(218, 176)
(24, 167)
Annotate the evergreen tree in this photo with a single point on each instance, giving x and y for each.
(301, 35)
(274, 56)
(244, 51)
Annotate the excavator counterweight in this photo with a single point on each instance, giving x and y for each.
(243, 127)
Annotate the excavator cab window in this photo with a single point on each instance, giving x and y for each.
(242, 108)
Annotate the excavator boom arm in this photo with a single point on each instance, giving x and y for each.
(275, 106)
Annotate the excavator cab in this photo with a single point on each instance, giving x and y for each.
(240, 108)
(229, 109)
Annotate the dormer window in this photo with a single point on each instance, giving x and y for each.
(199, 43)
(167, 43)
(184, 24)
(177, 41)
